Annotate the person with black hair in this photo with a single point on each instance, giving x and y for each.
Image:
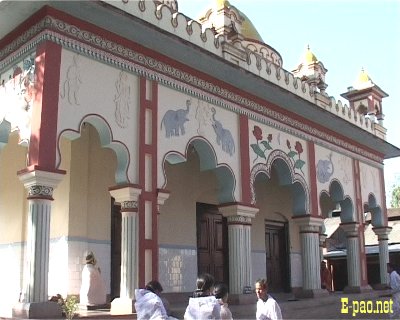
(149, 304)
(203, 304)
(267, 307)
(221, 294)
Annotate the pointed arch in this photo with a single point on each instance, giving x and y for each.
(106, 141)
(371, 206)
(208, 161)
(334, 199)
(287, 176)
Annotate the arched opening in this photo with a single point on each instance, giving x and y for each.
(197, 184)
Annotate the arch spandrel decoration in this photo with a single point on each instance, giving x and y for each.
(287, 177)
(208, 161)
(106, 141)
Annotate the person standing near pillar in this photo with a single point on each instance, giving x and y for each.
(394, 282)
(326, 277)
(267, 307)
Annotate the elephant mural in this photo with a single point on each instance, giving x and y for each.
(174, 121)
(224, 136)
(325, 169)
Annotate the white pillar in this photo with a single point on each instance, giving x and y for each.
(40, 186)
(322, 244)
(383, 237)
(239, 242)
(128, 197)
(353, 256)
(309, 236)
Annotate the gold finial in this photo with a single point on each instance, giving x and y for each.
(309, 56)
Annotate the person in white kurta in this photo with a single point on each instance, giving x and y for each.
(93, 290)
(149, 305)
(394, 282)
(203, 305)
(267, 307)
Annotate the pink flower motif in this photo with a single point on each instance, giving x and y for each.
(298, 147)
(257, 132)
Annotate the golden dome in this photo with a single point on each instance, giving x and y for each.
(248, 30)
(310, 57)
(363, 77)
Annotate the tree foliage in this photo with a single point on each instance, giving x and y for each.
(395, 203)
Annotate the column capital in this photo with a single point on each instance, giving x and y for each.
(350, 228)
(309, 223)
(382, 232)
(40, 184)
(162, 196)
(238, 209)
(128, 192)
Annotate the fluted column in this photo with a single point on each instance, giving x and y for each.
(128, 197)
(239, 242)
(309, 236)
(322, 244)
(383, 237)
(40, 186)
(353, 255)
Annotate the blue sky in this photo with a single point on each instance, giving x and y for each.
(346, 36)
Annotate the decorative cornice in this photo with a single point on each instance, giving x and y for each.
(238, 220)
(102, 49)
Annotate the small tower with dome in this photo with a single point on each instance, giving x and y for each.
(242, 38)
(311, 70)
(365, 97)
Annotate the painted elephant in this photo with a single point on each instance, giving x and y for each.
(174, 121)
(224, 138)
(325, 169)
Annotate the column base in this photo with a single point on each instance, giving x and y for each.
(360, 289)
(37, 310)
(311, 293)
(122, 306)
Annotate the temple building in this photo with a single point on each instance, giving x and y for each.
(169, 147)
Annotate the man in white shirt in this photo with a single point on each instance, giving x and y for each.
(394, 282)
(267, 307)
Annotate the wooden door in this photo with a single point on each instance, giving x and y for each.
(212, 240)
(277, 258)
(116, 228)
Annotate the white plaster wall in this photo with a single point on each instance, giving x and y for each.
(200, 124)
(11, 276)
(90, 87)
(370, 183)
(279, 141)
(342, 171)
(296, 270)
(259, 265)
(177, 268)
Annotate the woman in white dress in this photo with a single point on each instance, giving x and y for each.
(203, 305)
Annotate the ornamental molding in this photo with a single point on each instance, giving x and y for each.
(126, 205)
(99, 48)
(40, 191)
(239, 220)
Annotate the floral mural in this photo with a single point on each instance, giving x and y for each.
(261, 147)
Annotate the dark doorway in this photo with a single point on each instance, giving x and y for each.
(212, 242)
(276, 246)
(116, 228)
